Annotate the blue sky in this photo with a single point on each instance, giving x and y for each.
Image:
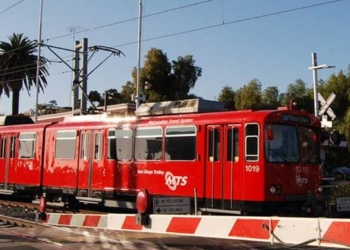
(275, 49)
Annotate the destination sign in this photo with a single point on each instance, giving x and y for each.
(296, 118)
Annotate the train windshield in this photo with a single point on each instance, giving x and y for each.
(291, 144)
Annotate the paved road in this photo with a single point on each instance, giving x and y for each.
(81, 239)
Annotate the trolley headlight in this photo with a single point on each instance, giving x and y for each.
(273, 189)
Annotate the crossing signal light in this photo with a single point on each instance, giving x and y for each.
(334, 137)
(324, 136)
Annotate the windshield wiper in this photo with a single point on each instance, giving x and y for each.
(279, 154)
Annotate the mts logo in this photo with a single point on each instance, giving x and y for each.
(173, 181)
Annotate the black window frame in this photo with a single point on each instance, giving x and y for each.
(154, 144)
(252, 142)
(186, 151)
(27, 139)
(67, 135)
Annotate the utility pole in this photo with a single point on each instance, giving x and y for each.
(83, 103)
(138, 91)
(76, 70)
(314, 69)
(38, 63)
(76, 80)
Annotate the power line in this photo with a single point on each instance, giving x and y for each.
(11, 7)
(41, 75)
(19, 71)
(232, 22)
(30, 64)
(131, 19)
(283, 11)
(206, 27)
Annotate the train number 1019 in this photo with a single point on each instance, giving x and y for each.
(252, 168)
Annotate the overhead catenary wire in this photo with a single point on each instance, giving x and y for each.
(205, 27)
(32, 77)
(132, 19)
(12, 6)
(9, 70)
(192, 30)
(232, 22)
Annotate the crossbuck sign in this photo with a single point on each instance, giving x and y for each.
(325, 105)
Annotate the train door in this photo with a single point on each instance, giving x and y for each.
(7, 151)
(214, 166)
(222, 157)
(232, 166)
(10, 172)
(3, 163)
(90, 178)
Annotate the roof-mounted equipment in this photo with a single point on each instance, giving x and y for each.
(179, 107)
(15, 120)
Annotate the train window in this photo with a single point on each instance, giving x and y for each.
(98, 146)
(232, 144)
(84, 146)
(180, 143)
(3, 147)
(123, 144)
(13, 147)
(65, 144)
(111, 151)
(26, 145)
(284, 145)
(148, 143)
(252, 142)
(214, 145)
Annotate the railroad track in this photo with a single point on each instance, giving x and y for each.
(23, 214)
(8, 221)
(35, 208)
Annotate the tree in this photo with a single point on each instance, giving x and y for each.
(227, 96)
(249, 96)
(126, 92)
(270, 98)
(111, 96)
(185, 75)
(339, 85)
(299, 93)
(95, 97)
(52, 106)
(18, 68)
(170, 81)
(48, 108)
(156, 70)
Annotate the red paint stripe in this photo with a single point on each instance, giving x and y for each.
(91, 220)
(47, 218)
(338, 231)
(65, 219)
(129, 223)
(252, 228)
(183, 225)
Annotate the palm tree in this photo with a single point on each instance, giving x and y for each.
(18, 67)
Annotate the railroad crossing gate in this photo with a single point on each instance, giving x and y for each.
(299, 232)
(325, 108)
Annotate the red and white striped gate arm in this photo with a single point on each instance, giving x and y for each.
(77, 220)
(321, 232)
